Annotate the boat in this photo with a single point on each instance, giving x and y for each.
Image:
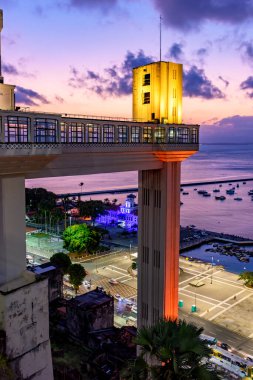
(244, 183)
(181, 203)
(244, 259)
(230, 191)
(203, 192)
(250, 192)
(220, 198)
(185, 193)
(206, 195)
(238, 199)
(220, 185)
(238, 185)
(216, 190)
(195, 189)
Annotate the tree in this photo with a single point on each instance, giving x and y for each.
(39, 199)
(247, 277)
(92, 209)
(77, 274)
(61, 260)
(80, 237)
(172, 350)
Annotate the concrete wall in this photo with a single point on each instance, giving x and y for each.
(24, 318)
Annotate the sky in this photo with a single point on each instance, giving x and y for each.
(76, 56)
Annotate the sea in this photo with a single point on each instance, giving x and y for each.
(213, 162)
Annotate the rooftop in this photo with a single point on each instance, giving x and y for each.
(91, 299)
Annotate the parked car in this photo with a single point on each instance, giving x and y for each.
(113, 281)
(224, 346)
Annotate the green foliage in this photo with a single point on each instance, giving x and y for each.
(62, 261)
(81, 238)
(77, 274)
(247, 277)
(92, 208)
(172, 350)
(6, 372)
(134, 265)
(40, 235)
(39, 199)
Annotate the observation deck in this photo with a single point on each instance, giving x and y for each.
(116, 144)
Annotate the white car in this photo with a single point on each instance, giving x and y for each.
(118, 297)
(134, 309)
(113, 281)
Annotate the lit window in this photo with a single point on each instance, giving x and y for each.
(146, 98)
(146, 80)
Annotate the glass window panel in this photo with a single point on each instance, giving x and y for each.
(108, 133)
(160, 135)
(93, 132)
(76, 132)
(171, 135)
(147, 135)
(183, 135)
(122, 133)
(146, 79)
(135, 135)
(146, 98)
(45, 130)
(63, 132)
(195, 135)
(16, 129)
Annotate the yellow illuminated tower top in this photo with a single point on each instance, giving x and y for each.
(158, 92)
(7, 97)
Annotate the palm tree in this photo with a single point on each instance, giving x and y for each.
(81, 185)
(172, 350)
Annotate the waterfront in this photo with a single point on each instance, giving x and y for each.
(229, 263)
(213, 162)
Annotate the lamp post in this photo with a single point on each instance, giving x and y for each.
(130, 249)
(81, 186)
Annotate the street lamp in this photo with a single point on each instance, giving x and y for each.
(81, 186)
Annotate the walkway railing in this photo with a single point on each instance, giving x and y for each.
(23, 127)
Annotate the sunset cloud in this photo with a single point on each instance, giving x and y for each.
(196, 84)
(190, 14)
(28, 97)
(115, 80)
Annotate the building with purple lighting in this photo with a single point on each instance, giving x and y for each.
(125, 215)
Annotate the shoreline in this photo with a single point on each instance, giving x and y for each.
(209, 236)
(135, 189)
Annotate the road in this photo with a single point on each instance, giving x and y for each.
(232, 338)
(223, 304)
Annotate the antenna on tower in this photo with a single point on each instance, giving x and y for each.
(160, 38)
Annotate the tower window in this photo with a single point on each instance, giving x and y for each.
(146, 80)
(146, 98)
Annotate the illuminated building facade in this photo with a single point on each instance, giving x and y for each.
(157, 97)
(157, 92)
(124, 215)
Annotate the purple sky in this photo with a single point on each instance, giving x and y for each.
(76, 56)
